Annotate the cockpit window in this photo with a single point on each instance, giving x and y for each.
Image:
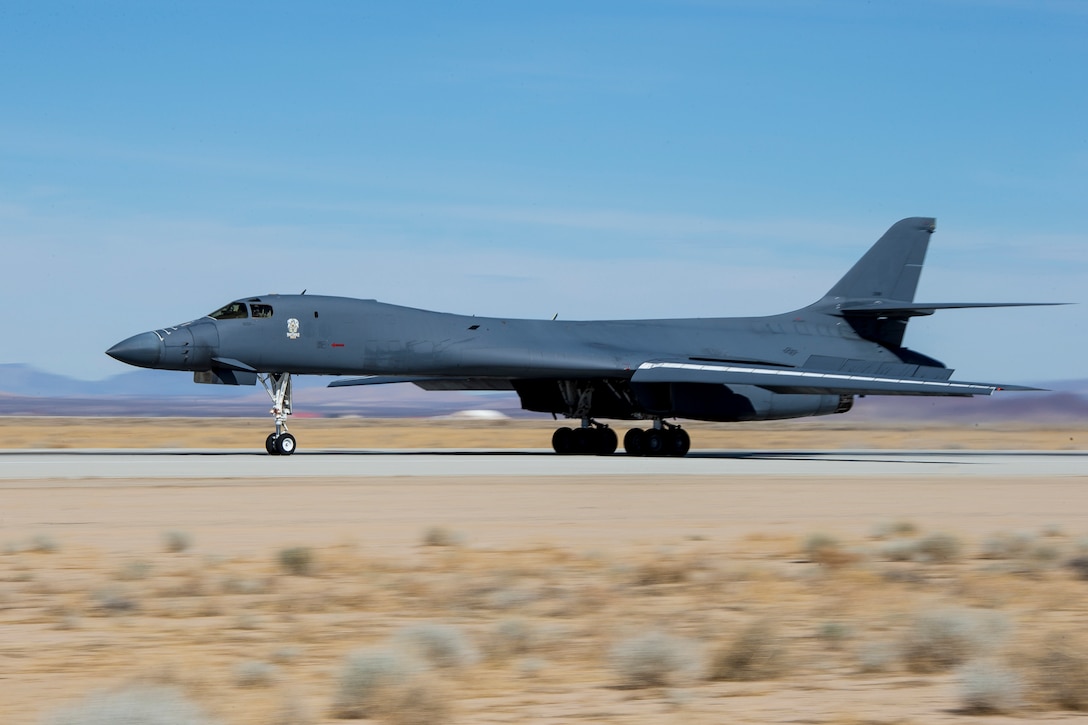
(233, 311)
(261, 310)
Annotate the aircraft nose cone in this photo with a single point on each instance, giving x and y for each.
(143, 350)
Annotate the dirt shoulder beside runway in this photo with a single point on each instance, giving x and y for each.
(857, 601)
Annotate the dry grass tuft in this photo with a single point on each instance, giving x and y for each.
(175, 542)
(384, 685)
(254, 674)
(834, 634)
(1079, 565)
(1060, 673)
(439, 645)
(938, 548)
(509, 638)
(297, 560)
(140, 705)
(661, 571)
(1005, 545)
(940, 640)
(114, 600)
(893, 529)
(826, 551)
(441, 536)
(987, 687)
(757, 653)
(653, 659)
(420, 700)
(875, 657)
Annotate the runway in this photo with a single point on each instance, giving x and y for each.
(244, 501)
(68, 465)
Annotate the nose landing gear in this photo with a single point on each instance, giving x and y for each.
(278, 387)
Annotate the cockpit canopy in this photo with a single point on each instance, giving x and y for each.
(240, 310)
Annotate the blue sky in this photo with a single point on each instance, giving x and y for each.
(585, 159)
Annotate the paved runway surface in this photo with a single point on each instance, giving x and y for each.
(247, 502)
(219, 464)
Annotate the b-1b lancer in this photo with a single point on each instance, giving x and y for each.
(812, 361)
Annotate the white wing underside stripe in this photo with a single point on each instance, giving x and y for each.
(793, 376)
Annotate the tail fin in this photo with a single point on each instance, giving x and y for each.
(891, 267)
(877, 295)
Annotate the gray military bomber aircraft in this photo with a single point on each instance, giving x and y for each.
(812, 361)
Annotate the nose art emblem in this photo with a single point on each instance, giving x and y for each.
(292, 329)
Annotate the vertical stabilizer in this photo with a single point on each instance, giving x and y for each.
(891, 267)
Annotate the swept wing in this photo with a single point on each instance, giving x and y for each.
(802, 381)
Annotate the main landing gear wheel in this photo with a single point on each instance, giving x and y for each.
(596, 441)
(677, 442)
(633, 442)
(665, 441)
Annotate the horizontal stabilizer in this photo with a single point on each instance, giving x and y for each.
(802, 381)
(882, 308)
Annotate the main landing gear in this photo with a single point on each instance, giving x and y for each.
(661, 440)
(596, 439)
(592, 438)
(278, 387)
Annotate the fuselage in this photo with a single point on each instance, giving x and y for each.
(540, 359)
(321, 335)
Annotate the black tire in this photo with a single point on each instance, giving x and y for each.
(585, 441)
(634, 443)
(563, 441)
(653, 441)
(285, 444)
(606, 441)
(678, 442)
(270, 445)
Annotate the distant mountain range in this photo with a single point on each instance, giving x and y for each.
(25, 390)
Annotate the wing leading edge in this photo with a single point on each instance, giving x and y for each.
(801, 381)
(776, 380)
(428, 382)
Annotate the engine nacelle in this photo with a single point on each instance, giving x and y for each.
(699, 401)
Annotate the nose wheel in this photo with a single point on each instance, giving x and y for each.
(279, 444)
(278, 387)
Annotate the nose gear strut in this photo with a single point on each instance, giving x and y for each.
(278, 387)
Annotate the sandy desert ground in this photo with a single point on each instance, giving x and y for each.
(738, 599)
